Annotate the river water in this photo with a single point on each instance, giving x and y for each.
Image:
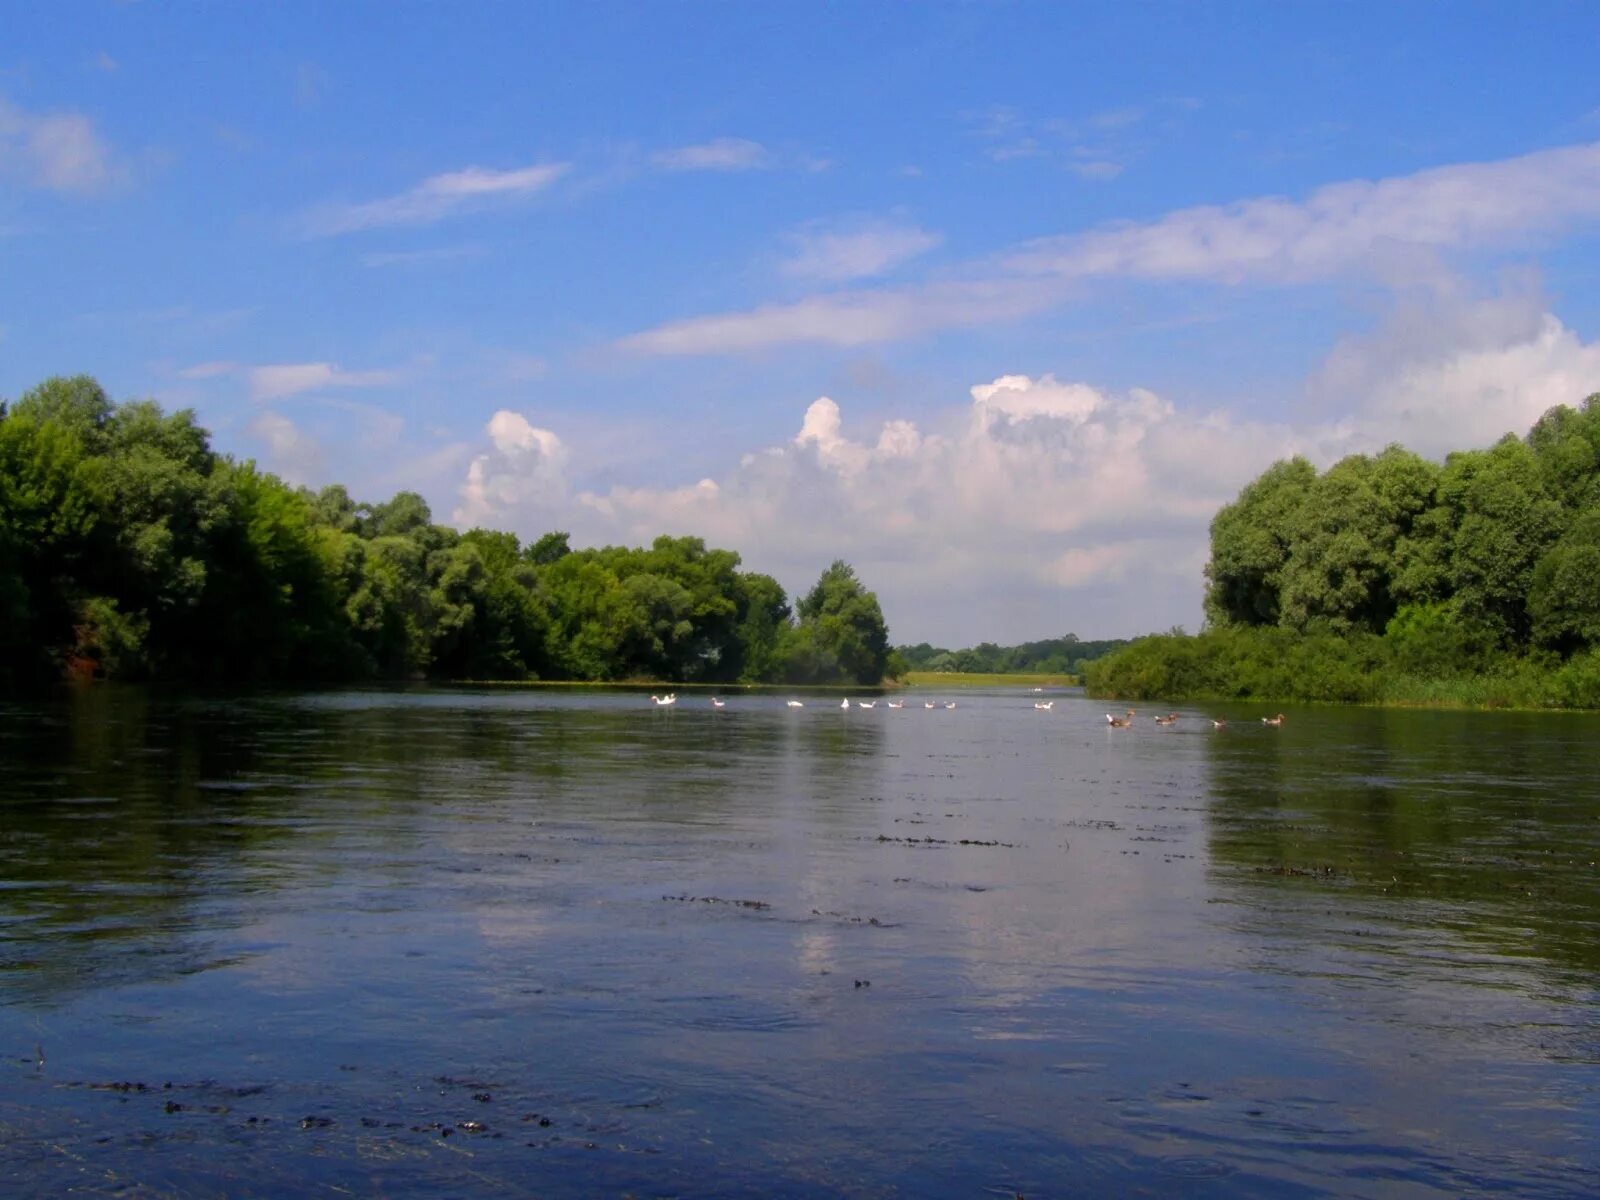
(564, 943)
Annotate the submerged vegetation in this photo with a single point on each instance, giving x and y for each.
(1390, 578)
(130, 549)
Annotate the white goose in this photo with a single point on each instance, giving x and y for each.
(929, 704)
(1046, 706)
(866, 704)
(797, 704)
(663, 701)
(718, 702)
(897, 704)
(845, 703)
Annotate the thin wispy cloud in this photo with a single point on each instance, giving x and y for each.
(414, 258)
(58, 152)
(1339, 227)
(1096, 147)
(208, 370)
(280, 380)
(436, 198)
(1354, 227)
(840, 255)
(859, 318)
(720, 154)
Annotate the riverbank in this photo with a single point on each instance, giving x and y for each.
(1278, 666)
(971, 679)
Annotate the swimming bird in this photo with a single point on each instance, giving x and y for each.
(866, 704)
(949, 703)
(897, 704)
(718, 702)
(797, 704)
(845, 703)
(929, 704)
(1045, 707)
(1118, 722)
(1169, 719)
(663, 701)
(1277, 720)
(1219, 723)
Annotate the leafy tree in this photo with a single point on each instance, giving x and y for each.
(1564, 597)
(1250, 544)
(841, 625)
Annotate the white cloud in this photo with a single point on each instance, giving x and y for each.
(436, 198)
(720, 154)
(427, 257)
(280, 380)
(208, 370)
(850, 318)
(1044, 504)
(522, 472)
(1037, 489)
(1379, 228)
(1340, 227)
(837, 256)
(1509, 362)
(291, 453)
(60, 152)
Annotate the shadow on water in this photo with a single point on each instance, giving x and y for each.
(1482, 825)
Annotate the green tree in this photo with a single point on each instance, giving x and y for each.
(1564, 596)
(841, 629)
(1250, 543)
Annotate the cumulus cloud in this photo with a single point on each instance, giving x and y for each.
(521, 473)
(1047, 504)
(720, 154)
(1038, 487)
(1512, 364)
(435, 198)
(280, 380)
(1343, 228)
(838, 256)
(59, 152)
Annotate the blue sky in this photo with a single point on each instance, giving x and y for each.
(997, 301)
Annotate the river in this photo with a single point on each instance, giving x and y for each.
(564, 943)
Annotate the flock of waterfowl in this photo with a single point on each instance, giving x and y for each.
(1115, 722)
(1126, 720)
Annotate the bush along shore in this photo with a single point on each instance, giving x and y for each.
(1392, 579)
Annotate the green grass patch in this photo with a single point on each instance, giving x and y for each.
(964, 679)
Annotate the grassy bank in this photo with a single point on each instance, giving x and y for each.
(1282, 666)
(963, 679)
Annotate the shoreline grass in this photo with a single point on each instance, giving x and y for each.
(970, 679)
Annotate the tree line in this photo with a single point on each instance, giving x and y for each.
(1050, 656)
(1392, 577)
(130, 549)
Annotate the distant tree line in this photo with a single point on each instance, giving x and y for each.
(130, 549)
(1052, 656)
(1392, 577)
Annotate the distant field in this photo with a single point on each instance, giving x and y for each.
(962, 679)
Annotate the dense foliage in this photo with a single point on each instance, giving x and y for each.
(1389, 577)
(1052, 656)
(130, 549)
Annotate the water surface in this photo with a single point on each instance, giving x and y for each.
(514, 943)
